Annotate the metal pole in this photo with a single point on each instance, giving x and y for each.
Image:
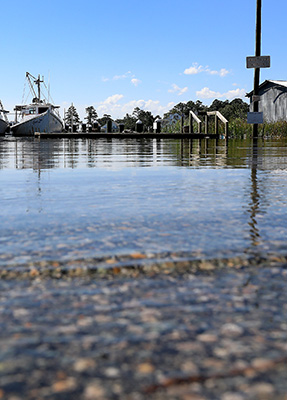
(257, 54)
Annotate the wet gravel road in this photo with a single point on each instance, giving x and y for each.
(164, 333)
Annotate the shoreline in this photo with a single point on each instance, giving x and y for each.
(134, 265)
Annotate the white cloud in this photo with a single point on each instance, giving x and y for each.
(177, 89)
(113, 99)
(196, 69)
(153, 106)
(212, 72)
(233, 94)
(135, 81)
(117, 77)
(123, 76)
(117, 109)
(207, 93)
(126, 75)
(110, 105)
(222, 72)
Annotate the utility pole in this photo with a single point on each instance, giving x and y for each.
(257, 70)
(257, 62)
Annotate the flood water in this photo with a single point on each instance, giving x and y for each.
(63, 200)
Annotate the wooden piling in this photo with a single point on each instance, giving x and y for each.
(216, 124)
(190, 123)
(206, 124)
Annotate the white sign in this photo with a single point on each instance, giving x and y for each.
(258, 62)
(255, 98)
(255, 118)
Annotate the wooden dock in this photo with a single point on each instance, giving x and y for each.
(127, 135)
(183, 134)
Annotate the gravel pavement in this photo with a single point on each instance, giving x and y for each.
(185, 332)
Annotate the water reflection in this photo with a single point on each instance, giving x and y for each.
(69, 199)
(254, 196)
(110, 153)
(73, 153)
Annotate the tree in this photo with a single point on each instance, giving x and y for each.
(184, 108)
(104, 119)
(237, 108)
(129, 121)
(145, 117)
(72, 115)
(92, 115)
(218, 105)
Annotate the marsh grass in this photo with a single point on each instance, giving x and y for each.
(274, 129)
(239, 128)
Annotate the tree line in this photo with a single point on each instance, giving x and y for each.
(231, 110)
(237, 108)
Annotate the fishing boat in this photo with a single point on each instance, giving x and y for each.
(39, 116)
(4, 123)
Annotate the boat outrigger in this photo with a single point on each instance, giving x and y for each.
(4, 123)
(39, 116)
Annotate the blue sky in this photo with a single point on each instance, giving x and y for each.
(118, 55)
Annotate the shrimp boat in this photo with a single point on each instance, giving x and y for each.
(39, 116)
(4, 123)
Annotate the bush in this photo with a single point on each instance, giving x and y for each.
(274, 129)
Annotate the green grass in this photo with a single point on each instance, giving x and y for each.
(274, 129)
(239, 128)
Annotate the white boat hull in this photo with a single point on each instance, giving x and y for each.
(47, 122)
(3, 126)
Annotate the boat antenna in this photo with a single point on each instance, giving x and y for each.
(49, 88)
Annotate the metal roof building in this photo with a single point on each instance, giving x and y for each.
(273, 100)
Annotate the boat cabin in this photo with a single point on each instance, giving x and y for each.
(31, 110)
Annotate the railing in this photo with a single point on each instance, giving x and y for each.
(217, 115)
(192, 117)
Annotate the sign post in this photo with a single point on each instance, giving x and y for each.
(257, 54)
(255, 118)
(257, 62)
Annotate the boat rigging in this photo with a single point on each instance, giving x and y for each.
(37, 82)
(38, 116)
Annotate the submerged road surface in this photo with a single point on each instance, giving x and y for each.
(191, 333)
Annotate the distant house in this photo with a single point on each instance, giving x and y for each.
(171, 119)
(273, 100)
(114, 127)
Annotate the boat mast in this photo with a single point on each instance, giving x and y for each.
(37, 82)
